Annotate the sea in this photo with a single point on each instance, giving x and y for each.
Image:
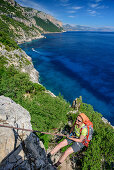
(77, 64)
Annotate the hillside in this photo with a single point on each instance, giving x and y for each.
(25, 24)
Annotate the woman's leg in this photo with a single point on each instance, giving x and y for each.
(74, 148)
(65, 154)
(59, 146)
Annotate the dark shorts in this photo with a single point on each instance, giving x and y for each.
(76, 146)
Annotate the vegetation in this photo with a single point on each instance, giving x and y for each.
(46, 112)
(16, 24)
(7, 37)
(22, 60)
(47, 25)
(10, 10)
(5, 7)
(28, 9)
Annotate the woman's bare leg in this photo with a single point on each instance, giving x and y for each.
(65, 154)
(59, 146)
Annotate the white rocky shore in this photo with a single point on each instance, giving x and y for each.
(20, 41)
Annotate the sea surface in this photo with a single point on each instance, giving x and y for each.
(77, 64)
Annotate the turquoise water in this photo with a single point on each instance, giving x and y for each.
(77, 64)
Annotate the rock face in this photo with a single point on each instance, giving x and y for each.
(45, 16)
(21, 61)
(19, 149)
(23, 22)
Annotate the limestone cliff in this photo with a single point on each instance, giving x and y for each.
(21, 61)
(19, 149)
(45, 16)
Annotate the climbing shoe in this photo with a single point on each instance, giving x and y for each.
(57, 164)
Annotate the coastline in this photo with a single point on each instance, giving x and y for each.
(30, 39)
(35, 38)
(48, 91)
(21, 41)
(53, 32)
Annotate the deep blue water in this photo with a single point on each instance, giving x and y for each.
(77, 64)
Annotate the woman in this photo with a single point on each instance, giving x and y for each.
(76, 141)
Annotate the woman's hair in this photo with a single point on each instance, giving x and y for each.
(84, 117)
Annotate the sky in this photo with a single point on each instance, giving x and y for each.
(93, 13)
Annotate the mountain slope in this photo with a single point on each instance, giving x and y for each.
(25, 24)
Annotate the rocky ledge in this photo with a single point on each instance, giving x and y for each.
(19, 149)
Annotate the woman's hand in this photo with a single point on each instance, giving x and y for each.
(70, 136)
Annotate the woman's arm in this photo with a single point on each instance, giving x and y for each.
(80, 139)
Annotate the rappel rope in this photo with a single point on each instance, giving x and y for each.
(11, 127)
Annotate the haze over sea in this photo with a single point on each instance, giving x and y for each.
(77, 64)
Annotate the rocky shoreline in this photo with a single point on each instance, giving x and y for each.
(34, 74)
(21, 41)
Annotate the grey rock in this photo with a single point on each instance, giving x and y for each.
(19, 149)
(107, 122)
